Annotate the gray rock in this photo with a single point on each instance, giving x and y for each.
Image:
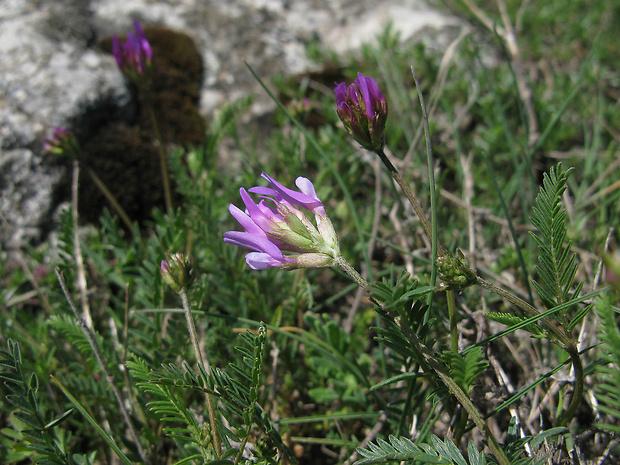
(25, 192)
(53, 73)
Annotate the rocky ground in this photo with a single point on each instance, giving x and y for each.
(56, 70)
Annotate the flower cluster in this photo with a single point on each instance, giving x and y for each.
(134, 55)
(363, 111)
(62, 142)
(277, 224)
(455, 271)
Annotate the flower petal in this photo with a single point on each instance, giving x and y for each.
(341, 93)
(362, 82)
(245, 221)
(294, 197)
(254, 242)
(262, 261)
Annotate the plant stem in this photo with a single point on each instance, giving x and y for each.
(92, 340)
(575, 401)
(454, 332)
(408, 193)
(162, 156)
(528, 309)
(108, 195)
(566, 341)
(430, 363)
(77, 250)
(199, 358)
(352, 272)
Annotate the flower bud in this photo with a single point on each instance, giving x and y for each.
(178, 271)
(363, 110)
(455, 272)
(133, 56)
(62, 142)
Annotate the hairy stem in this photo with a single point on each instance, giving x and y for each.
(120, 211)
(408, 193)
(162, 157)
(566, 341)
(454, 330)
(430, 363)
(455, 389)
(200, 359)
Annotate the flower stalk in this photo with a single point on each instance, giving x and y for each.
(134, 57)
(178, 273)
(211, 408)
(103, 365)
(163, 163)
(431, 364)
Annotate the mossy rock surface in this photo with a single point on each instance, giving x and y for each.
(125, 155)
(126, 160)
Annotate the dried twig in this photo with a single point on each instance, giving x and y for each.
(103, 365)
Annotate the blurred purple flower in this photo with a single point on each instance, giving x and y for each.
(276, 225)
(363, 110)
(62, 142)
(133, 56)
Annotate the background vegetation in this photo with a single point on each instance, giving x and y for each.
(528, 86)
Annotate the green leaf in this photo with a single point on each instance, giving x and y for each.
(400, 449)
(464, 369)
(107, 438)
(29, 420)
(547, 434)
(19, 402)
(607, 373)
(509, 319)
(60, 419)
(557, 267)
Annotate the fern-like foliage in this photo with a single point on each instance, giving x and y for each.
(557, 265)
(239, 397)
(169, 405)
(608, 395)
(403, 298)
(68, 327)
(400, 295)
(39, 433)
(446, 452)
(403, 449)
(465, 370)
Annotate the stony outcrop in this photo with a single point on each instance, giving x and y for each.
(55, 71)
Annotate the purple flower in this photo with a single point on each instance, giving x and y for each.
(276, 224)
(133, 56)
(363, 110)
(62, 142)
